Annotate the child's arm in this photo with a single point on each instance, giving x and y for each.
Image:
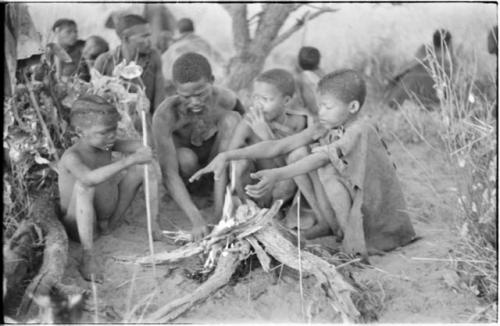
(88, 177)
(265, 149)
(267, 178)
(126, 146)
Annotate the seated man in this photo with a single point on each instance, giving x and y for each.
(66, 33)
(188, 41)
(135, 34)
(354, 169)
(190, 128)
(268, 118)
(415, 79)
(95, 190)
(94, 47)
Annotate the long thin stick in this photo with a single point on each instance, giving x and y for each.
(42, 122)
(94, 295)
(300, 255)
(146, 189)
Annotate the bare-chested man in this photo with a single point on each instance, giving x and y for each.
(190, 128)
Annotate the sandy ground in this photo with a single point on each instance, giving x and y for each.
(411, 290)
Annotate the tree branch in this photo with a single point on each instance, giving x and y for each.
(241, 34)
(298, 25)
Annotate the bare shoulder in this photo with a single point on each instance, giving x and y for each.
(166, 113)
(70, 157)
(225, 98)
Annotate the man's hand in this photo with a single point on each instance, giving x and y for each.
(267, 179)
(142, 155)
(256, 120)
(217, 166)
(199, 231)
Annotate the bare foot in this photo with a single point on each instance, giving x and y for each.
(89, 266)
(104, 227)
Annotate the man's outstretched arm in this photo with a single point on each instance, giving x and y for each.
(167, 154)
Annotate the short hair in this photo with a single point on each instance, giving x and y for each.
(63, 22)
(309, 58)
(441, 37)
(100, 43)
(90, 109)
(126, 21)
(191, 67)
(280, 78)
(346, 84)
(185, 25)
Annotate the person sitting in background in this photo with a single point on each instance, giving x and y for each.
(357, 180)
(415, 80)
(134, 34)
(94, 47)
(188, 41)
(190, 128)
(308, 77)
(66, 33)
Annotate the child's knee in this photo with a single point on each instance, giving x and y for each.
(188, 161)
(135, 173)
(297, 154)
(83, 190)
(284, 190)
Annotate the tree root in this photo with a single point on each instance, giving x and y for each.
(55, 253)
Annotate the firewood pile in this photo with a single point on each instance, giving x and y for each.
(246, 229)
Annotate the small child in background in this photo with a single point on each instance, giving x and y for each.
(66, 33)
(268, 118)
(94, 46)
(355, 173)
(308, 77)
(95, 191)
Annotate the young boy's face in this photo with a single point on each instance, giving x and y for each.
(333, 112)
(269, 99)
(100, 135)
(195, 96)
(67, 35)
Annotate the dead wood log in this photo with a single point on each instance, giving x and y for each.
(226, 266)
(326, 274)
(55, 251)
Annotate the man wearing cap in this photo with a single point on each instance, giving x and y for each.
(135, 36)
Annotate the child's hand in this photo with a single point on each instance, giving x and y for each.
(142, 155)
(256, 120)
(267, 180)
(217, 166)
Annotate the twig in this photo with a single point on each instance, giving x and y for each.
(300, 22)
(94, 296)
(451, 260)
(300, 256)
(42, 122)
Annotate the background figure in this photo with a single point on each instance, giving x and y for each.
(188, 41)
(66, 33)
(22, 42)
(94, 47)
(160, 18)
(307, 77)
(415, 79)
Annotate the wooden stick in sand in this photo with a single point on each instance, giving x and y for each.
(300, 256)
(146, 187)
